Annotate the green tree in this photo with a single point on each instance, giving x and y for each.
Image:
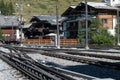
(117, 33)
(1, 37)
(94, 26)
(99, 35)
(103, 38)
(6, 8)
(81, 35)
(2, 7)
(10, 8)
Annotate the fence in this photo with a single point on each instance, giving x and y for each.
(49, 41)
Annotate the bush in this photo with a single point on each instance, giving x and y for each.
(103, 38)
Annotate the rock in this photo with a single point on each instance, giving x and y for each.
(1, 76)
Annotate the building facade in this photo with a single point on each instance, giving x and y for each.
(41, 26)
(75, 16)
(9, 26)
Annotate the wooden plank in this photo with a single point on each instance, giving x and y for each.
(48, 41)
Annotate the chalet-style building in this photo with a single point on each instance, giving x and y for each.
(9, 26)
(41, 26)
(106, 11)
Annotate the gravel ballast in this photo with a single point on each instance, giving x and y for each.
(79, 67)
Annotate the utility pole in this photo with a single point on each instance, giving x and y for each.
(57, 17)
(21, 23)
(118, 27)
(86, 21)
(12, 31)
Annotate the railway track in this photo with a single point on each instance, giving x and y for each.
(53, 53)
(36, 71)
(85, 60)
(96, 54)
(32, 69)
(91, 53)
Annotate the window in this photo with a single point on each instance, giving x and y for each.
(104, 21)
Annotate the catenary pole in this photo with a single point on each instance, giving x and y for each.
(21, 26)
(86, 21)
(57, 18)
(118, 27)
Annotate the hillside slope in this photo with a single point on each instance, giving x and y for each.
(42, 7)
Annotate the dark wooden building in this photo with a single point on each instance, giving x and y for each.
(41, 26)
(75, 17)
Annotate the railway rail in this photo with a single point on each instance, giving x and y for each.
(70, 49)
(36, 71)
(52, 52)
(85, 60)
(113, 57)
(32, 69)
(90, 53)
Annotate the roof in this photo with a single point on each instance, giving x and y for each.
(96, 5)
(73, 6)
(100, 5)
(68, 10)
(8, 21)
(46, 19)
(51, 34)
(27, 25)
(74, 10)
